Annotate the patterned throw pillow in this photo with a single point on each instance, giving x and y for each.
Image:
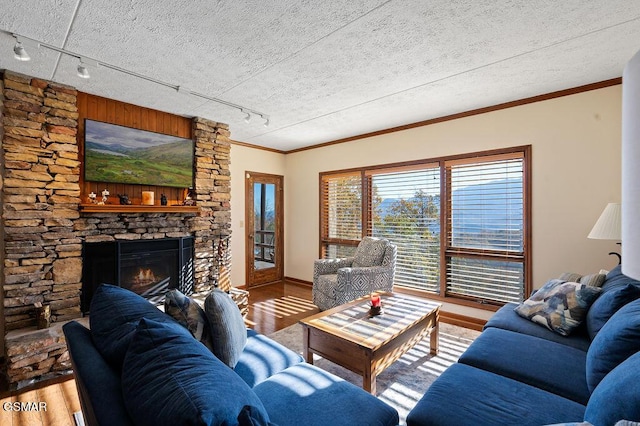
(560, 306)
(370, 252)
(570, 276)
(188, 313)
(592, 280)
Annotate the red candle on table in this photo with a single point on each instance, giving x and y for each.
(375, 300)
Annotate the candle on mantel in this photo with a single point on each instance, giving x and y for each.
(375, 300)
(147, 198)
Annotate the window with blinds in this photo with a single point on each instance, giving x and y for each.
(461, 223)
(405, 209)
(485, 228)
(341, 214)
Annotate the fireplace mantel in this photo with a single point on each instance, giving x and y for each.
(118, 208)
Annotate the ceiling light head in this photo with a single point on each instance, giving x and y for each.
(83, 72)
(20, 53)
(247, 118)
(266, 121)
(183, 90)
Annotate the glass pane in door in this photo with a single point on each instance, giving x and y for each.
(264, 226)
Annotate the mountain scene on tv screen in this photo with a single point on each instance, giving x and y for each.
(124, 155)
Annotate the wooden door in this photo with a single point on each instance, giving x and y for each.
(264, 240)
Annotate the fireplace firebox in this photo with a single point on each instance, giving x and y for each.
(146, 267)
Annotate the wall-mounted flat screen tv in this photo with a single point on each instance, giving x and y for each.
(120, 154)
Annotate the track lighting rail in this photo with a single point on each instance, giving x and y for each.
(24, 43)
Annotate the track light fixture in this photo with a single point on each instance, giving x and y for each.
(83, 72)
(183, 90)
(21, 54)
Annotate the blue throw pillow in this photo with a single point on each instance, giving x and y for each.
(170, 379)
(618, 339)
(114, 316)
(615, 278)
(608, 304)
(617, 396)
(227, 327)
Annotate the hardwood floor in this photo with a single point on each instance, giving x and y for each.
(271, 308)
(50, 404)
(277, 306)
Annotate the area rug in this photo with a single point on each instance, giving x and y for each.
(404, 382)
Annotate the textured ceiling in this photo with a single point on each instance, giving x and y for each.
(324, 70)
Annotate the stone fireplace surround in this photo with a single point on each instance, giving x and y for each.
(43, 227)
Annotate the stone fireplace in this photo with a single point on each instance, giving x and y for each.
(45, 227)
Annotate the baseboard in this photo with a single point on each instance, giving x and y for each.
(299, 281)
(462, 320)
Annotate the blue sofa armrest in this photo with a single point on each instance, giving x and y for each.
(99, 385)
(263, 357)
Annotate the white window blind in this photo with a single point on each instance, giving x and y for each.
(405, 209)
(485, 227)
(341, 213)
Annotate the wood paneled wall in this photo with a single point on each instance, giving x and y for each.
(128, 115)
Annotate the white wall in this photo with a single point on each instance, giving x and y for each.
(244, 159)
(575, 173)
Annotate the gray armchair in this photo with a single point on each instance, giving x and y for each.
(338, 281)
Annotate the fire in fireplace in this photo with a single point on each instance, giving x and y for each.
(146, 267)
(145, 277)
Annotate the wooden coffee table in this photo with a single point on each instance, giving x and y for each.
(347, 336)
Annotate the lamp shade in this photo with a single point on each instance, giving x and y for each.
(631, 168)
(608, 225)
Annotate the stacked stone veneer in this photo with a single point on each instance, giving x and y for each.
(43, 227)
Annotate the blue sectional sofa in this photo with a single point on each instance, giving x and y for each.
(141, 367)
(520, 373)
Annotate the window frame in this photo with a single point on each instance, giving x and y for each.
(524, 152)
(325, 239)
